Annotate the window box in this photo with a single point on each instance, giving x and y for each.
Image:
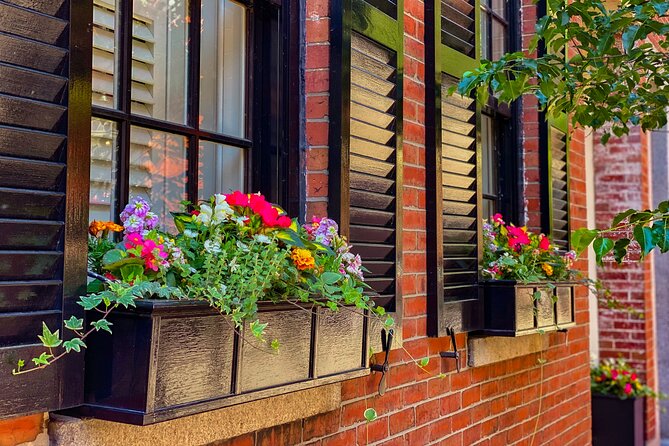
(168, 359)
(509, 308)
(617, 422)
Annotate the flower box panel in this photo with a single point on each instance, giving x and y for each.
(261, 367)
(168, 359)
(189, 366)
(511, 310)
(340, 336)
(617, 422)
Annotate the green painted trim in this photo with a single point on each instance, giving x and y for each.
(455, 63)
(377, 26)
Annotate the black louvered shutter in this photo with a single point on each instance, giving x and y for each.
(460, 198)
(366, 139)
(39, 275)
(558, 182)
(373, 171)
(458, 25)
(452, 165)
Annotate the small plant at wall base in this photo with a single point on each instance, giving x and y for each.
(231, 251)
(615, 377)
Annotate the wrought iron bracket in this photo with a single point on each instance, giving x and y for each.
(455, 354)
(386, 345)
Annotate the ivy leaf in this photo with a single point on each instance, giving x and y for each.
(370, 414)
(257, 329)
(644, 237)
(620, 249)
(102, 324)
(43, 359)
(275, 345)
(48, 338)
(622, 216)
(424, 362)
(602, 246)
(74, 323)
(536, 295)
(389, 322)
(90, 302)
(330, 278)
(75, 344)
(581, 239)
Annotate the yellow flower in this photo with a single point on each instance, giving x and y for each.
(547, 269)
(303, 259)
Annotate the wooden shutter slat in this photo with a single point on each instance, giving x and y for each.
(35, 204)
(37, 265)
(29, 234)
(371, 217)
(372, 252)
(51, 7)
(40, 175)
(31, 24)
(31, 84)
(371, 183)
(30, 144)
(29, 53)
(371, 149)
(29, 295)
(28, 113)
(22, 328)
(371, 200)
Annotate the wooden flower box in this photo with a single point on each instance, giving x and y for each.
(617, 422)
(509, 307)
(168, 359)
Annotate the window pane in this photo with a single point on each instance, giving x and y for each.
(498, 39)
(485, 50)
(220, 169)
(223, 67)
(159, 58)
(158, 170)
(103, 170)
(499, 6)
(489, 156)
(104, 50)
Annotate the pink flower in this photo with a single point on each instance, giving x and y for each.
(517, 237)
(614, 374)
(237, 199)
(633, 377)
(497, 218)
(544, 243)
(628, 388)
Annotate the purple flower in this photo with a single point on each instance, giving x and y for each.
(137, 206)
(326, 231)
(133, 224)
(151, 220)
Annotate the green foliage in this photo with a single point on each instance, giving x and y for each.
(618, 378)
(613, 78)
(370, 415)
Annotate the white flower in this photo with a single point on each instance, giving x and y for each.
(242, 246)
(222, 288)
(222, 212)
(240, 220)
(204, 217)
(212, 246)
(190, 233)
(262, 238)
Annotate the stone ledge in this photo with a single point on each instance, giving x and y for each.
(491, 349)
(198, 429)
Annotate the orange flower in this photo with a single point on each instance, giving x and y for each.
(111, 226)
(548, 269)
(303, 259)
(96, 227)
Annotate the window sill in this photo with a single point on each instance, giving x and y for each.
(484, 350)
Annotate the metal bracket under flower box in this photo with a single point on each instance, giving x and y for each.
(510, 309)
(168, 359)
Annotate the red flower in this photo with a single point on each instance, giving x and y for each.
(195, 213)
(269, 216)
(284, 221)
(237, 199)
(517, 237)
(614, 374)
(628, 388)
(257, 203)
(497, 218)
(544, 243)
(633, 377)
(109, 276)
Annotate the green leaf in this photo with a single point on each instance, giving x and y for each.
(370, 415)
(644, 237)
(102, 324)
(629, 37)
(620, 249)
(131, 272)
(331, 278)
(622, 216)
(48, 338)
(90, 302)
(581, 239)
(389, 322)
(43, 359)
(536, 295)
(661, 235)
(290, 238)
(74, 323)
(113, 256)
(75, 344)
(602, 246)
(424, 362)
(275, 345)
(257, 329)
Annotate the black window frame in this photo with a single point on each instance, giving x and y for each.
(255, 140)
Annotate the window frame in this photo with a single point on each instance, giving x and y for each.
(121, 113)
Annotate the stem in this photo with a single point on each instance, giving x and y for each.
(541, 396)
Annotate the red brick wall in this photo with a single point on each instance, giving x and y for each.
(498, 404)
(622, 181)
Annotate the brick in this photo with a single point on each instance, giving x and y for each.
(20, 430)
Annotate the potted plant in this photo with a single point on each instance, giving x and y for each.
(239, 303)
(529, 284)
(618, 397)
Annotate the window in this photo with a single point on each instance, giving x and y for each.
(181, 112)
(555, 186)
(366, 194)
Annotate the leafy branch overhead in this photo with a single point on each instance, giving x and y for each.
(611, 77)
